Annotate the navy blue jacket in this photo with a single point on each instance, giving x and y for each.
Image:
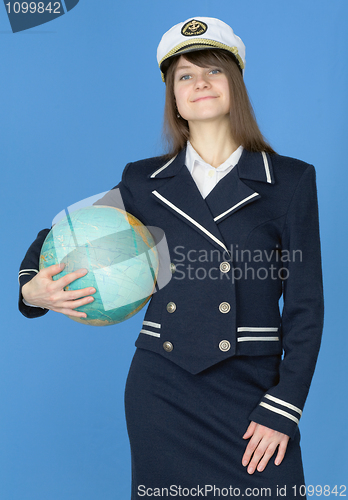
(233, 254)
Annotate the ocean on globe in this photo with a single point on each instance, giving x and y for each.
(119, 253)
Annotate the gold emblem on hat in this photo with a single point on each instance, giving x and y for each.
(194, 28)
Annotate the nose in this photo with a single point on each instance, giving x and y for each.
(202, 82)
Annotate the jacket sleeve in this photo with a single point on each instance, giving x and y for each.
(302, 318)
(28, 269)
(121, 197)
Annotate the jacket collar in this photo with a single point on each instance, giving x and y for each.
(251, 166)
(171, 167)
(255, 167)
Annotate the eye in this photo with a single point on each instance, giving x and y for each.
(184, 77)
(215, 71)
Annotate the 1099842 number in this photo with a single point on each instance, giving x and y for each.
(33, 7)
(318, 490)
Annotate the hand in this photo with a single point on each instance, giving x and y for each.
(262, 446)
(43, 291)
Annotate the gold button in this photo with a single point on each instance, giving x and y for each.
(172, 268)
(224, 307)
(211, 173)
(167, 346)
(224, 345)
(171, 306)
(225, 267)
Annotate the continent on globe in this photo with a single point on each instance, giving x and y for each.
(119, 253)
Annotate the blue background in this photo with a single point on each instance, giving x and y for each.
(80, 97)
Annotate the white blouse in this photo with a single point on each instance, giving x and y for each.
(205, 176)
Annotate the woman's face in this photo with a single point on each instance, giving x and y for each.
(201, 93)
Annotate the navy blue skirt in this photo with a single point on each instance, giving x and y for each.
(186, 430)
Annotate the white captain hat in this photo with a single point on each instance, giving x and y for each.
(199, 33)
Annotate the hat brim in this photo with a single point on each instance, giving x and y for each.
(195, 47)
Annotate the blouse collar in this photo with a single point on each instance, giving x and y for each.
(192, 156)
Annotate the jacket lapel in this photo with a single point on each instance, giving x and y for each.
(228, 196)
(231, 193)
(180, 194)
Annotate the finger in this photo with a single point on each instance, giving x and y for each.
(74, 304)
(257, 456)
(266, 457)
(70, 277)
(77, 294)
(281, 451)
(52, 270)
(72, 313)
(253, 443)
(250, 430)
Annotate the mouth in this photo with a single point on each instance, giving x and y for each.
(204, 98)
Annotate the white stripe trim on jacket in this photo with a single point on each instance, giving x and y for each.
(235, 206)
(154, 334)
(283, 403)
(257, 329)
(151, 323)
(177, 209)
(245, 339)
(164, 166)
(281, 412)
(265, 162)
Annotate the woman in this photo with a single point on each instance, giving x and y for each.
(212, 407)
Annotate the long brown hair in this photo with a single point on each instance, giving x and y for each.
(244, 127)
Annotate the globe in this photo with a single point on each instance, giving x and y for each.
(119, 253)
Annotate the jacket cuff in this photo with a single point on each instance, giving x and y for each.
(28, 311)
(277, 414)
